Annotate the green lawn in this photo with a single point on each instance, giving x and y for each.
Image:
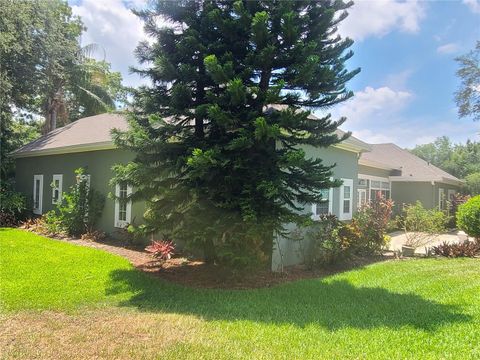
(96, 304)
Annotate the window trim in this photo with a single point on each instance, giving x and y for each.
(376, 178)
(58, 177)
(128, 217)
(364, 191)
(346, 215)
(38, 210)
(330, 205)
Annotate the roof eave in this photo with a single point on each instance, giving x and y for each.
(375, 164)
(444, 180)
(353, 146)
(106, 145)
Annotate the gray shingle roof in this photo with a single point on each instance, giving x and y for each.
(412, 167)
(92, 131)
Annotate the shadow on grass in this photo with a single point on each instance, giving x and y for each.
(330, 304)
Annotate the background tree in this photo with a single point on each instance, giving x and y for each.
(468, 95)
(219, 167)
(473, 183)
(460, 160)
(45, 72)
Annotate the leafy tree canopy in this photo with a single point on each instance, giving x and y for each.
(45, 72)
(221, 168)
(468, 95)
(459, 160)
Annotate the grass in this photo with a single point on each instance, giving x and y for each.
(65, 301)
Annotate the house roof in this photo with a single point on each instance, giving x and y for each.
(412, 167)
(86, 134)
(94, 133)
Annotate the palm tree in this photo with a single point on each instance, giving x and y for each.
(83, 89)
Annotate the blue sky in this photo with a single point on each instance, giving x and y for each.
(406, 50)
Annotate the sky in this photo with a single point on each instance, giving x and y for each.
(406, 51)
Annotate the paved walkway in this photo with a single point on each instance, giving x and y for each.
(399, 238)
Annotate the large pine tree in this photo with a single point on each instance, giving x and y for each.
(218, 137)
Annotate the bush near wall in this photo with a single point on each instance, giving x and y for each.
(333, 241)
(468, 217)
(12, 206)
(79, 210)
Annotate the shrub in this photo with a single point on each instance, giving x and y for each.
(464, 249)
(161, 250)
(468, 217)
(369, 226)
(80, 208)
(333, 241)
(12, 205)
(367, 232)
(422, 226)
(47, 225)
(454, 203)
(326, 243)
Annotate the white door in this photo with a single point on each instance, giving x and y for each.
(361, 197)
(346, 191)
(37, 194)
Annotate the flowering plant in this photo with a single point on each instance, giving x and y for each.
(162, 250)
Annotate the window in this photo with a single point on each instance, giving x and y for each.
(379, 188)
(362, 182)
(325, 207)
(441, 199)
(346, 191)
(361, 198)
(123, 206)
(37, 194)
(57, 189)
(451, 194)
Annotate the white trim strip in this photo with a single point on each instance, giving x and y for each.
(342, 214)
(128, 216)
(106, 145)
(58, 177)
(38, 207)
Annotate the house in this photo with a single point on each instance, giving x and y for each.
(53, 158)
(45, 168)
(403, 177)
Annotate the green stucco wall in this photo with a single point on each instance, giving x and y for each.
(97, 163)
(409, 192)
(288, 252)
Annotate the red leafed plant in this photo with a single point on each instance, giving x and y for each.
(162, 250)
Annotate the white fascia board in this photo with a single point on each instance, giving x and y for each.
(106, 145)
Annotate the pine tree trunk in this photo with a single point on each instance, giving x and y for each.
(267, 247)
(209, 252)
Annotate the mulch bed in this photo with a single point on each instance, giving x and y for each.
(197, 274)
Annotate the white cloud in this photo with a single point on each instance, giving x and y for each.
(474, 5)
(114, 27)
(378, 18)
(370, 105)
(449, 48)
(399, 80)
(379, 115)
